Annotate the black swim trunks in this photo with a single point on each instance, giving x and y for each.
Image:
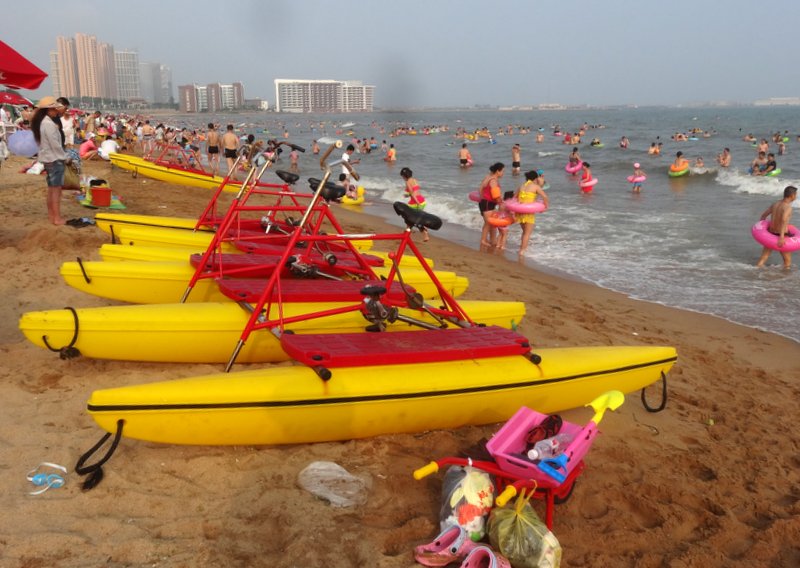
(230, 153)
(213, 149)
(515, 164)
(485, 205)
(464, 162)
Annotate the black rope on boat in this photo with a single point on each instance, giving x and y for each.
(663, 404)
(114, 240)
(83, 271)
(68, 351)
(95, 470)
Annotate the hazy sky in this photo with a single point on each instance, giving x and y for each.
(448, 52)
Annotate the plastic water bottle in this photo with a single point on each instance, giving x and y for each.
(549, 447)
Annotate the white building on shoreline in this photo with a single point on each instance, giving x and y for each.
(298, 95)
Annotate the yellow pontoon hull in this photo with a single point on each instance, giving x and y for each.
(117, 252)
(137, 165)
(140, 235)
(208, 333)
(291, 404)
(165, 282)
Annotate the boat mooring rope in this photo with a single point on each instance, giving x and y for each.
(68, 351)
(663, 404)
(95, 470)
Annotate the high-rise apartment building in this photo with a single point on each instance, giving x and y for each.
(214, 97)
(83, 68)
(86, 51)
(127, 75)
(106, 71)
(224, 97)
(156, 83)
(294, 95)
(66, 69)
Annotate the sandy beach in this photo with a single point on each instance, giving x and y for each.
(710, 481)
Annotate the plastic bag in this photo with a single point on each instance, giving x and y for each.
(467, 498)
(519, 535)
(330, 481)
(4, 153)
(71, 178)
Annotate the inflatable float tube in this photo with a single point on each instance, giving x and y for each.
(515, 206)
(573, 169)
(767, 239)
(357, 200)
(637, 179)
(475, 196)
(677, 173)
(588, 185)
(693, 138)
(499, 219)
(601, 145)
(773, 173)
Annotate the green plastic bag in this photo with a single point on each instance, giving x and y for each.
(518, 534)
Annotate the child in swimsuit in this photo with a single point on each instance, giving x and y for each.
(415, 199)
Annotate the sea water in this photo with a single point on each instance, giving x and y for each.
(682, 242)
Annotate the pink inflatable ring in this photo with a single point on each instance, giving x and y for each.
(791, 241)
(588, 185)
(574, 168)
(516, 207)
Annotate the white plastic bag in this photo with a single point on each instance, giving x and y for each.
(330, 481)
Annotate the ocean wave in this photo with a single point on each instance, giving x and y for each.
(754, 185)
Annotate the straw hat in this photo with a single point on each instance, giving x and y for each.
(48, 102)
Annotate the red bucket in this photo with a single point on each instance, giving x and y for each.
(101, 196)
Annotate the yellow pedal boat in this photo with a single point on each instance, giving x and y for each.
(292, 404)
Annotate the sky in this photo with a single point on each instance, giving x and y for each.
(448, 53)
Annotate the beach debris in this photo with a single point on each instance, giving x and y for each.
(45, 480)
(333, 483)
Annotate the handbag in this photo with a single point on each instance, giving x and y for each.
(71, 178)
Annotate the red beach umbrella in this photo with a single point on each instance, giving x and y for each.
(12, 98)
(17, 72)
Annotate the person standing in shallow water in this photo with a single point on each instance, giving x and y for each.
(491, 196)
(779, 214)
(527, 193)
(516, 163)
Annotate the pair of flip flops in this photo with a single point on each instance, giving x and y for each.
(454, 545)
(79, 222)
(547, 428)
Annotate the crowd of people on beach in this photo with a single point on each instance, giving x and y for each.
(94, 135)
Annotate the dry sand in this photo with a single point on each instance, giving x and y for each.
(711, 481)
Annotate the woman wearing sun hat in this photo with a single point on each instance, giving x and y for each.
(51, 153)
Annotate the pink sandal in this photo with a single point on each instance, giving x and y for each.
(451, 545)
(484, 557)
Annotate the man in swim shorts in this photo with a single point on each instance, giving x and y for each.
(515, 159)
(230, 143)
(464, 156)
(212, 148)
(779, 214)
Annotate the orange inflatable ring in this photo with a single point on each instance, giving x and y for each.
(500, 218)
